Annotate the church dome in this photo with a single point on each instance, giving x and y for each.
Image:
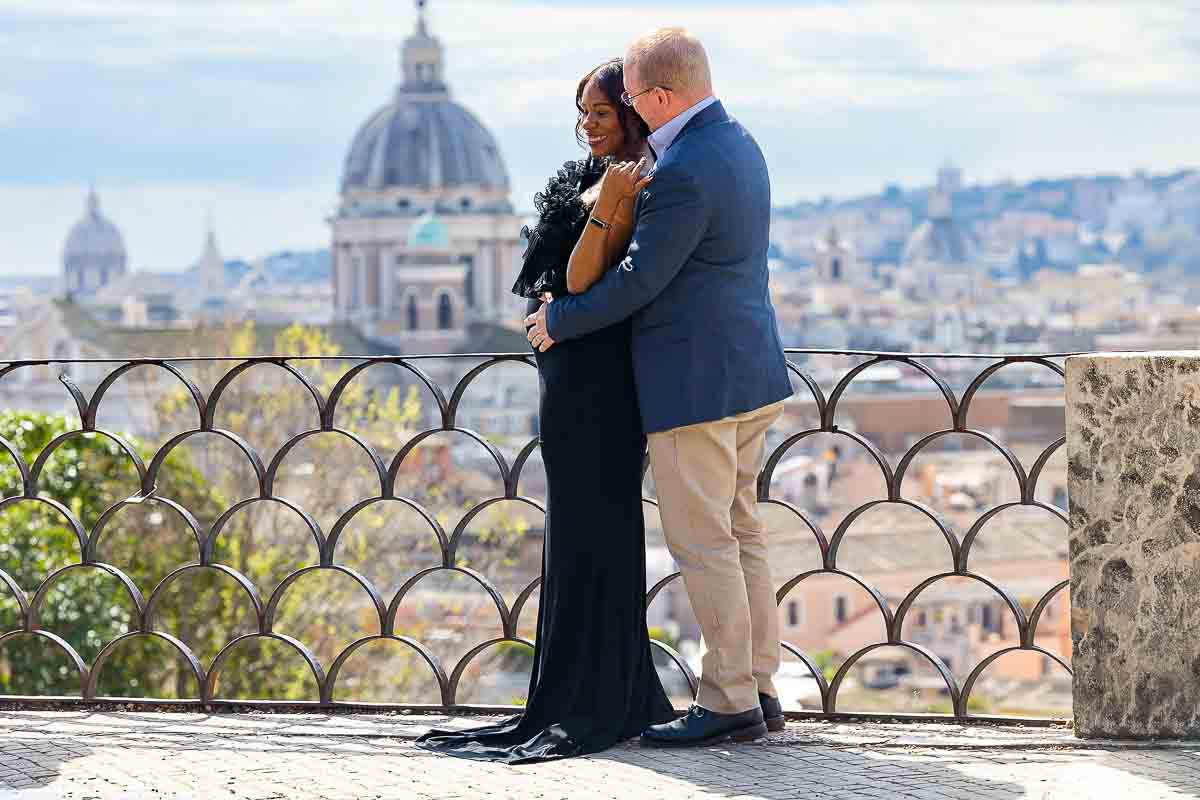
(940, 241)
(94, 236)
(94, 252)
(429, 233)
(423, 139)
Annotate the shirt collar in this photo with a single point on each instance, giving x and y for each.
(662, 138)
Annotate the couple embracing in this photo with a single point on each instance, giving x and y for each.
(652, 324)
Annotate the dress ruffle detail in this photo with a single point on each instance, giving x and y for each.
(562, 216)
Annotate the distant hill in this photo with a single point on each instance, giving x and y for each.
(300, 266)
(291, 267)
(38, 284)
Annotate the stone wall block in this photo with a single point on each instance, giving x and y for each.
(1133, 462)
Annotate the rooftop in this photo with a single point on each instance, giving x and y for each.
(179, 342)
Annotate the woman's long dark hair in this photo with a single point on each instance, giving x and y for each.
(610, 77)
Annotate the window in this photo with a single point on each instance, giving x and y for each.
(841, 608)
(922, 619)
(414, 318)
(793, 613)
(987, 618)
(445, 312)
(835, 269)
(1060, 497)
(469, 286)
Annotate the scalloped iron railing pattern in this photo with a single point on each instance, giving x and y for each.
(959, 544)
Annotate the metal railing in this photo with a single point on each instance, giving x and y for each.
(204, 408)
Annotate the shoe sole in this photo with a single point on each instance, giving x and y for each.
(775, 724)
(747, 734)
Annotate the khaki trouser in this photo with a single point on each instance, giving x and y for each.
(706, 476)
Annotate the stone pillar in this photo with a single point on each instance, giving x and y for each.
(1133, 462)
(359, 260)
(387, 279)
(485, 294)
(344, 265)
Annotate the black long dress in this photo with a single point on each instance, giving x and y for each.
(594, 682)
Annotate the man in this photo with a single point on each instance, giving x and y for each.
(710, 372)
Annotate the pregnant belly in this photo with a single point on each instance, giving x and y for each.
(587, 386)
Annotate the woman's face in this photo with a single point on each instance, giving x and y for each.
(601, 125)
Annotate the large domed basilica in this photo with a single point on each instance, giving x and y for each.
(425, 239)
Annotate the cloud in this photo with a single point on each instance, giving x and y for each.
(13, 108)
(257, 100)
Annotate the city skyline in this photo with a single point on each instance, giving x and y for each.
(178, 109)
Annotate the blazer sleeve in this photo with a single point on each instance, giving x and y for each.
(672, 221)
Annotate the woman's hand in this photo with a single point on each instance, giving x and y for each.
(622, 182)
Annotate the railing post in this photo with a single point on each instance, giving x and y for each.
(1133, 462)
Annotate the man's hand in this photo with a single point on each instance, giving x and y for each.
(535, 326)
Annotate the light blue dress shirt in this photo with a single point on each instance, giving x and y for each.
(661, 139)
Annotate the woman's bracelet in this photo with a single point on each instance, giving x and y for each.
(599, 223)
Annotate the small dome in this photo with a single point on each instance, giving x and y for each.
(94, 253)
(940, 241)
(94, 235)
(429, 233)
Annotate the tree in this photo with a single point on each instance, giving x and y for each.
(87, 607)
(317, 481)
(326, 475)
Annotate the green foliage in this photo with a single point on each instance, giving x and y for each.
(979, 704)
(265, 541)
(663, 635)
(86, 606)
(828, 662)
(513, 656)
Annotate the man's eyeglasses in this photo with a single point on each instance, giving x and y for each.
(628, 98)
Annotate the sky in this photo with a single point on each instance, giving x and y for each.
(240, 111)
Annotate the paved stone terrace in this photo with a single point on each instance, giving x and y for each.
(88, 754)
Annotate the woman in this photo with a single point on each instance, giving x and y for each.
(593, 682)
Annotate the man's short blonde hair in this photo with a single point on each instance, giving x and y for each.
(671, 57)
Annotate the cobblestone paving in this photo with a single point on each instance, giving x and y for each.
(159, 755)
